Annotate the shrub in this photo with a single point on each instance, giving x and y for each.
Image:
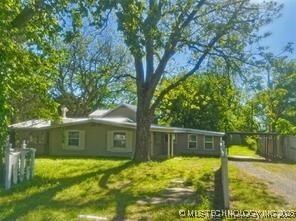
(251, 142)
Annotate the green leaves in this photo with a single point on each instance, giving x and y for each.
(285, 127)
(129, 22)
(94, 74)
(275, 104)
(206, 102)
(27, 61)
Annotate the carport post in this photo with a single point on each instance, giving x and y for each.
(172, 144)
(169, 144)
(151, 144)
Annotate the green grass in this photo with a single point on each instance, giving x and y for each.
(247, 192)
(241, 150)
(64, 188)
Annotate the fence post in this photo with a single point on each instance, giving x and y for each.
(27, 173)
(16, 169)
(23, 156)
(33, 162)
(8, 169)
(14, 166)
(224, 174)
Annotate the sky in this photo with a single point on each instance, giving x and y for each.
(283, 29)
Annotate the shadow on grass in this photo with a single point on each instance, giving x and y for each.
(216, 194)
(113, 171)
(121, 197)
(204, 199)
(218, 200)
(44, 198)
(114, 158)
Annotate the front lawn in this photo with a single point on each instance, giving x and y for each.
(241, 150)
(64, 188)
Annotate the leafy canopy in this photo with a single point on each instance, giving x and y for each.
(208, 102)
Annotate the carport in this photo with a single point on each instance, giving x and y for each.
(268, 143)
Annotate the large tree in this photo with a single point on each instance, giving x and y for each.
(209, 101)
(276, 102)
(28, 30)
(26, 54)
(95, 73)
(193, 32)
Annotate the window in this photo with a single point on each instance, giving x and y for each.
(119, 140)
(192, 141)
(209, 142)
(73, 138)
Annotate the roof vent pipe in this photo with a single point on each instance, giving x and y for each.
(64, 111)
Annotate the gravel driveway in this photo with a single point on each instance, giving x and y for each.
(282, 183)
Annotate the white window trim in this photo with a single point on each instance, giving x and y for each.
(66, 145)
(126, 139)
(209, 142)
(128, 147)
(188, 141)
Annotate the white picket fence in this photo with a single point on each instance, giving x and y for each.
(19, 164)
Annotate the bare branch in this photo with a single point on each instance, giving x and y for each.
(207, 50)
(188, 74)
(172, 43)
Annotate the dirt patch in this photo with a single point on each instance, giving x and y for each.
(176, 193)
(281, 184)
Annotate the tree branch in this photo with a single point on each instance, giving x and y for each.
(199, 62)
(150, 26)
(172, 43)
(139, 72)
(188, 74)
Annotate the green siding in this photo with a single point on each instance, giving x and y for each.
(95, 141)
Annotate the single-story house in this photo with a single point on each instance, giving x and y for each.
(111, 133)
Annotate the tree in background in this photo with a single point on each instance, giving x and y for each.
(276, 104)
(26, 56)
(95, 73)
(209, 101)
(247, 116)
(30, 98)
(198, 31)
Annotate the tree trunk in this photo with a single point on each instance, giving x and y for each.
(143, 137)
